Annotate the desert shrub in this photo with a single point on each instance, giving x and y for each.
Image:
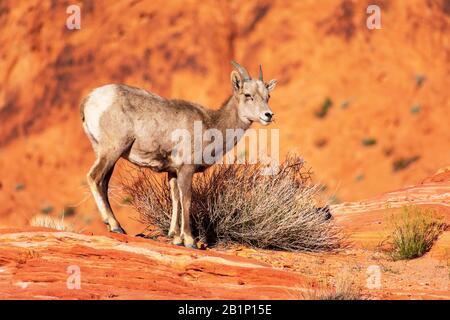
(403, 163)
(413, 232)
(68, 211)
(46, 221)
(369, 142)
(420, 79)
(237, 204)
(47, 209)
(20, 186)
(343, 289)
(324, 108)
(415, 108)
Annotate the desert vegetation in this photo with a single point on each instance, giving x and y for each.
(47, 209)
(420, 80)
(369, 141)
(46, 221)
(238, 204)
(415, 108)
(404, 162)
(20, 186)
(413, 232)
(324, 108)
(343, 288)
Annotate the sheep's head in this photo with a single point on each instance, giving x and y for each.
(253, 95)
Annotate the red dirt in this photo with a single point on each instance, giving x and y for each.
(124, 267)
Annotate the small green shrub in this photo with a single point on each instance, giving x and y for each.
(127, 200)
(324, 108)
(420, 79)
(413, 232)
(415, 108)
(403, 163)
(20, 186)
(369, 142)
(68, 211)
(47, 209)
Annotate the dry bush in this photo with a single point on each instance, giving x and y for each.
(413, 232)
(237, 204)
(344, 289)
(45, 221)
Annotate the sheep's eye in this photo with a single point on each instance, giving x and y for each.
(248, 96)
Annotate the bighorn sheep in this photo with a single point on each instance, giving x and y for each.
(132, 123)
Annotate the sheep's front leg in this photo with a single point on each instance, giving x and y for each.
(185, 188)
(174, 230)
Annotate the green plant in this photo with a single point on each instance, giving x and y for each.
(413, 232)
(369, 142)
(237, 204)
(68, 211)
(420, 79)
(20, 186)
(127, 200)
(324, 108)
(47, 209)
(415, 108)
(403, 163)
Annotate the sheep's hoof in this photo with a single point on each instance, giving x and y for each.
(118, 230)
(177, 241)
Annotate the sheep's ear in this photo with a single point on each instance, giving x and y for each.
(236, 81)
(271, 84)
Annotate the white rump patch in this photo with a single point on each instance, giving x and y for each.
(98, 102)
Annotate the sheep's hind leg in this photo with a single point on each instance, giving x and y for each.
(98, 180)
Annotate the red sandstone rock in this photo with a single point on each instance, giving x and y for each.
(33, 265)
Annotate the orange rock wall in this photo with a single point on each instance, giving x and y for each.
(316, 49)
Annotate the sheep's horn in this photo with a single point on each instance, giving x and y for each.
(241, 70)
(260, 73)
